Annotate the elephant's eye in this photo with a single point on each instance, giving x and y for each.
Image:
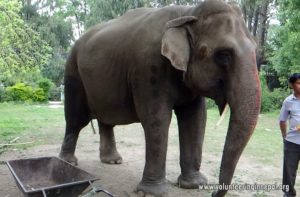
(223, 57)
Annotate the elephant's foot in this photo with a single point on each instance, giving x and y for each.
(111, 158)
(219, 193)
(192, 182)
(69, 157)
(152, 189)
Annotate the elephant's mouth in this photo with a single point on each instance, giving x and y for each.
(217, 93)
(221, 102)
(213, 88)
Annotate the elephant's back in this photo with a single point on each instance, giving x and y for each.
(135, 28)
(120, 27)
(127, 42)
(109, 54)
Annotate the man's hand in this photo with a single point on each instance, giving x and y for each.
(283, 127)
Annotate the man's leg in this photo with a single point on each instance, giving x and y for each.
(290, 166)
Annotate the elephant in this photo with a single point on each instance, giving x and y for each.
(142, 66)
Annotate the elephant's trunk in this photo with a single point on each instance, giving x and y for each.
(244, 97)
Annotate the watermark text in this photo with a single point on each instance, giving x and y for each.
(246, 186)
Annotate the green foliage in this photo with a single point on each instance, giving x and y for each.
(210, 103)
(49, 19)
(271, 100)
(45, 85)
(2, 92)
(39, 95)
(161, 3)
(34, 92)
(25, 93)
(285, 40)
(21, 47)
(103, 10)
(53, 20)
(54, 70)
(54, 94)
(20, 92)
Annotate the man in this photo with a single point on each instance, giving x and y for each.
(291, 111)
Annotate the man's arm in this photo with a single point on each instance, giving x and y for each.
(283, 127)
(283, 117)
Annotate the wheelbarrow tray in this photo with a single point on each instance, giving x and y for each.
(49, 176)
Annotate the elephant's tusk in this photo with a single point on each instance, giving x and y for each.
(222, 116)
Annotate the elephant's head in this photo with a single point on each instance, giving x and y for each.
(215, 51)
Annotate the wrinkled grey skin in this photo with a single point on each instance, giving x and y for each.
(141, 66)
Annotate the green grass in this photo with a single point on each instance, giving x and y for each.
(266, 142)
(31, 123)
(265, 145)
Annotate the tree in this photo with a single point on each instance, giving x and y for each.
(52, 19)
(257, 15)
(103, 10)
(162, 3)
(22, 51)
(285, 42)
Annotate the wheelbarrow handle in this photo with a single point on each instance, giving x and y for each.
(95, 190)
(44, 193)
(98, 190)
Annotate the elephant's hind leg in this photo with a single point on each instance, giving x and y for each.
(76, 115)
(108, 149)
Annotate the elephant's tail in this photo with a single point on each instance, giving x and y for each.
(93, 127)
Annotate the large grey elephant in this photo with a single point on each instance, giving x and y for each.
(147, 63)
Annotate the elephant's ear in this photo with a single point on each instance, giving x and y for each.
(175, 45)
(181, 21)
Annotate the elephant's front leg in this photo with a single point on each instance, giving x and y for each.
(191, 123)
(155, 121)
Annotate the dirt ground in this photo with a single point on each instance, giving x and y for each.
(122, 179)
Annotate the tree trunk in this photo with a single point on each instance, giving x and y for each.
(85, 8)
(77, 18)
(255, 20)
(244, 10)
(262, 32)
(250, 19)
(262, 23)
(27, 10)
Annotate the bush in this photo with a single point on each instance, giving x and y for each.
(19, 92)
(273, 100)
(55, 93)
(46, 85)
(25, 93)
(210, 103)
(2, 93)
(39, 95)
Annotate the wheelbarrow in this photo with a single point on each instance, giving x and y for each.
(51, 177)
